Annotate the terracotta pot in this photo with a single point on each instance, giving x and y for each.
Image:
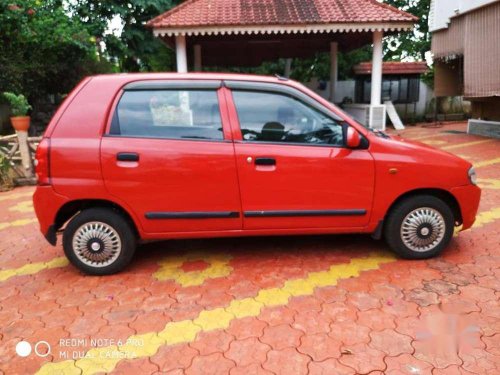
(20, 123)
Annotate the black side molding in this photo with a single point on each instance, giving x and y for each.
(192, 215)
(302, 213)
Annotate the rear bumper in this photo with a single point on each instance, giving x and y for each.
(47, 203)
(468, 198)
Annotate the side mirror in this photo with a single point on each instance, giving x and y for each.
(353, 138)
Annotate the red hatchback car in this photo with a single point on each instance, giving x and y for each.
(156, 156)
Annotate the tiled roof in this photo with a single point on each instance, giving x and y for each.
(393, 67)
(224, 13)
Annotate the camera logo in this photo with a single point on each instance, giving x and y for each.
(42, 349)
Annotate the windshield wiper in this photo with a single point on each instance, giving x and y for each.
(380, 133)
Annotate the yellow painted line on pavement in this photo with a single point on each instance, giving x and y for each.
(170, 268)
(482, 218)
(16, 223)
(486, 163)
(423, 137)
(467, 144)
(487, 217)
(489, 183)
(6, 196)
(24, 206)
(105, 359)
(32, 268)
(433, 142)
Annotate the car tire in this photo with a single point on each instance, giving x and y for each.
(419, 227)
(99, 241)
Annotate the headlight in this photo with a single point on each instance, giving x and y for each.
(472, 176)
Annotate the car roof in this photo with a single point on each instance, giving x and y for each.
(130, 77)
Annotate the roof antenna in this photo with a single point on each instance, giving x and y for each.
(281, 78)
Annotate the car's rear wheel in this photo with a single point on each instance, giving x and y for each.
(99, 241)
(419, 227)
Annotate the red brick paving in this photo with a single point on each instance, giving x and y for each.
(439, 316)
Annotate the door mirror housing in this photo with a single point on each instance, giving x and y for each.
(353, 139)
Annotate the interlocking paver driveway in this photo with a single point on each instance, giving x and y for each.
(297, 305)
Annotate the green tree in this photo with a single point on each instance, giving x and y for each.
(42, 50)
(412, 44)
(134, 48)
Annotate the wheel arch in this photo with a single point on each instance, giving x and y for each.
(442, 194)
(70, 209)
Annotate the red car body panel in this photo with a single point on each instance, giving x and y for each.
(203, 176)
(302, 179)
(174, 176)
(468, 197)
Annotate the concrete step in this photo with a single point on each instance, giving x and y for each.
(484, 128)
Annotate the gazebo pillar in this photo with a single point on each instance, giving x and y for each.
(197, 58)
(334, 46)
(376, 93)
(181, 53)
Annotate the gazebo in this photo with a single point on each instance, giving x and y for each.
(225, 33)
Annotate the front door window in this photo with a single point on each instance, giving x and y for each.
(273, 117)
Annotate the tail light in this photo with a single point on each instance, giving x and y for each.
(42, 162)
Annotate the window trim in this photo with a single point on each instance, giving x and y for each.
(291, 93)
(284, 90)
(161, 85)
(158, 84)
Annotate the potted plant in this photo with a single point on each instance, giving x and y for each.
(19, 107)
(6, 182)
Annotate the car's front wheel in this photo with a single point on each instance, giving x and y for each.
(99, 241)
(419, 227)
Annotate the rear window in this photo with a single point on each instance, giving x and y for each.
(174, 114)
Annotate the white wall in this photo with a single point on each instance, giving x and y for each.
(347, 88)
(467, 5)
(426, 94)
(343, 89)
(442, 10)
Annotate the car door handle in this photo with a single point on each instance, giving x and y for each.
(265, 161)
(127, 156)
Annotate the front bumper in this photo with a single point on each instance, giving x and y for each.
(468, 198)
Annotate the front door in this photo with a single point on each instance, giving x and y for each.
(168, 156)
(294, 170)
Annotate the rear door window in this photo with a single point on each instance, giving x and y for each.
(173, 114)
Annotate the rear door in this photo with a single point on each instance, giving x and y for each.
(294, 169)
(168, 154)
